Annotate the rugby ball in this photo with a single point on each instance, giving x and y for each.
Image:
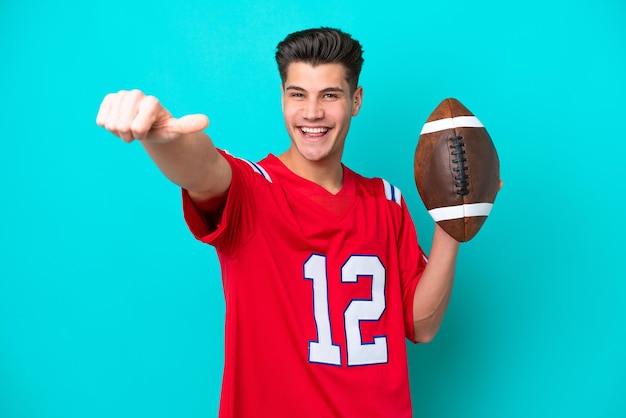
(457, 170)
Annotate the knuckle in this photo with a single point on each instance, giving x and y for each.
(117, 128)
(135, 93)
(109, 126)
(123, 128)
(138, 129)
(108, 97)
(151, 102)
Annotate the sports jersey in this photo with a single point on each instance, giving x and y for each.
(318, 290)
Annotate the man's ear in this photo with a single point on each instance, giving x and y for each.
(357, 100)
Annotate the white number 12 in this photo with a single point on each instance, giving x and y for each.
(323, 350)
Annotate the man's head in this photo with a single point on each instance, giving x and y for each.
(321, 46)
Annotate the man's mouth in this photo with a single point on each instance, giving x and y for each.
(313, 132)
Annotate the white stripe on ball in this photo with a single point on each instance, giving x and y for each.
(451, 123)
(461, 211)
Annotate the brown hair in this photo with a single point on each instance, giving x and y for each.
(321, 46)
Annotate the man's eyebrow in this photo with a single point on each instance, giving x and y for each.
(294, 88)
(332, 89)
(326, 90)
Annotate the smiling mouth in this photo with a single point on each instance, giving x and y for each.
(313, 132)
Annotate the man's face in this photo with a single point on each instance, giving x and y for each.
(318, 107)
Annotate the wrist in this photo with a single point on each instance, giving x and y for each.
(443, 238)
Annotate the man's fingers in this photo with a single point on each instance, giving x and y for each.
(127, 110)
(103, 111)
(149, 112)
(116, 113)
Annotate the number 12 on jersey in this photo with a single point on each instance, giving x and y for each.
(323, 350)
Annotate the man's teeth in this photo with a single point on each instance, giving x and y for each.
(314, 130)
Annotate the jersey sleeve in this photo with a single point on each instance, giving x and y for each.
(238, 215)
(413, 261)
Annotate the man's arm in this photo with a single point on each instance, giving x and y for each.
(433, 291)
(180, 149)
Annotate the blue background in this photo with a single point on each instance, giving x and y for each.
(108, 306)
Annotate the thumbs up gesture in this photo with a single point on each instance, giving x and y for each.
(133, 115)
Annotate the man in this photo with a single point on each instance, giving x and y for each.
(322, 272)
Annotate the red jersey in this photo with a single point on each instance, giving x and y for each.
(319, 294)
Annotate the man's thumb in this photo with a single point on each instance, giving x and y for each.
(190, 124)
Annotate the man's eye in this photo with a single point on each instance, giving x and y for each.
(330, 96)
(297, 95)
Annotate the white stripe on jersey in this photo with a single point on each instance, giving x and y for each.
(451, 123)
(392, 192)
(260, 170)
(256, 167)
(461, 211)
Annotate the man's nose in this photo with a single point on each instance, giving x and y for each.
(313, 109)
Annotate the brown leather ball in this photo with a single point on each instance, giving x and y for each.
(457, 170)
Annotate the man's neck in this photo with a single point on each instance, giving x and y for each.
(327, 174)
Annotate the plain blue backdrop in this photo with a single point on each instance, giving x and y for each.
(109, 307)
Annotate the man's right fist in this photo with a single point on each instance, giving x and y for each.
(132, 115)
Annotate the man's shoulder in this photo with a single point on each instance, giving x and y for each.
(377, 187)
(249, 166)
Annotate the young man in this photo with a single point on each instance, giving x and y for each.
(323, 275)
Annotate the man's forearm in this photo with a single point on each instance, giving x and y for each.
(434, 289)
(178, 146)
(191, 162)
